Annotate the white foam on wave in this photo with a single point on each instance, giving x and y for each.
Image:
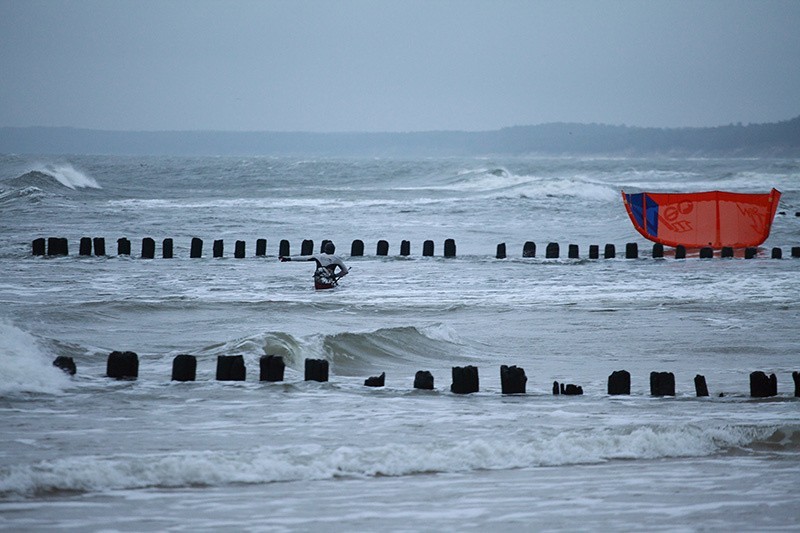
(315, 462)
(24, 367)
(68, 176)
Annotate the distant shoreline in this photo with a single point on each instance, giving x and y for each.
(776, 139)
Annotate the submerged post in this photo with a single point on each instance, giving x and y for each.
(231, 368)
(552, 251)
(316, 370)
(85, 247)
(167, 248)
(610, 251)
(700, 386)
(726, 252)
(405, 248)
(662, 384)
(122, 365)
(513, 379)
(619, 382)
(383, 248)
(38, 246)
(631, 250)
(658, 250)
(501, 251)
(357, 248)
(184, 368)
(763, 386)
(284, 248)
(777, 253)
(196, 250)
(465, 380)
(272, 368)
(427, 248)
(449, 248)
(706, 252)
(239, 250)
(573, 251)
(261, 247)
(148, 248)
(529, 249)
(680, 252)
(423, 379)
(307, 248)
(376, 381)
(594, 251)
(750, 253)
(99, 246)
(218, 249)
(123, 246)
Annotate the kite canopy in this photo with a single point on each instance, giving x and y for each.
(696, 220)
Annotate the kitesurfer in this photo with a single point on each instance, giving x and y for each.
(325, 276)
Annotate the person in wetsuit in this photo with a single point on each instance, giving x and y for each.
(325, 276)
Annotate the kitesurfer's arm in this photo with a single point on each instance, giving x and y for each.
(284, 258)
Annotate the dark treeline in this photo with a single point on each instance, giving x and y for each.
(779, 139)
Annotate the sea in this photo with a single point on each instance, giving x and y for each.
(91, 453)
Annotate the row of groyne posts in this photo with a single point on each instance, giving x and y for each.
(59, 246)
(125, 365)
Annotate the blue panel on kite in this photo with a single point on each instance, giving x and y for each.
(652, 216)
(635, 204)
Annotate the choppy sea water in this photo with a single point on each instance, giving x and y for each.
(89, 453)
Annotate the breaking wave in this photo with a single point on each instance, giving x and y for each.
(269, 464)
(24, 366)
(350, 352)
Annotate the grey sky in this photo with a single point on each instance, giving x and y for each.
(396, 65)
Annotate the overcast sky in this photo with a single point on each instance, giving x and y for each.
(401, 65)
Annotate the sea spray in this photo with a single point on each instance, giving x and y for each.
(24, 367)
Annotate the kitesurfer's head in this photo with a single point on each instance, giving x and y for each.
(329, 248)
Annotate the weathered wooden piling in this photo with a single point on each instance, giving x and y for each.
(700, 386)
(316, 370)
(184, 368)
(423, 379)
(57, 246)
(307, 247)
(662, 384)
(706, 252)
(85, 247)
(99, 246)
(610, 251)
(796, 378)
(284, 248)
(272, 368)
(239, 250)
(231, 368)
(427, 248)
(529, 249)
(261, 247)
(513, 379)
(449, 247)
(777, 253)
(465, 380)
(219, 248)
(405, 248)
(658, 250)
(167, 248)
(795, 251)
(571, 390)
(552, 251)
(573, 252)
(376, 381)
(763, 386)
(631, 250)
(122, 365)
(594, 251)
(322, 245)
(357, 248)
(556, 388)
(619, 383)
(67, 364)
(196, 251)
(38, 246)
(148, 248)
(750, 253)
(726, 252)
(501, 251)
(383, 248)
(680, 252)
(123, 246)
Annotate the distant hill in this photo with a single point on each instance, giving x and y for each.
(779, 139)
